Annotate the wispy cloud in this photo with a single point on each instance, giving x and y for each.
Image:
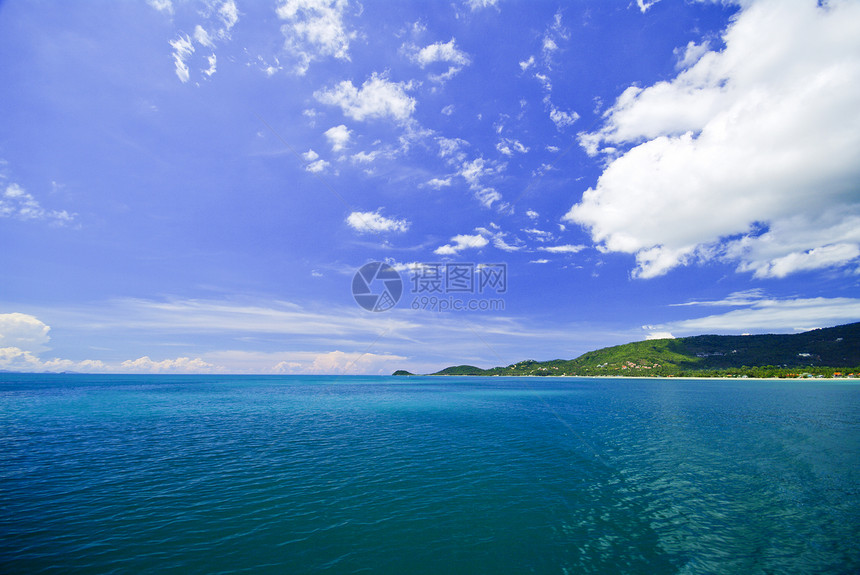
(753, 314)
(16, 202)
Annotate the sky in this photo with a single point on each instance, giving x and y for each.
(199, 186)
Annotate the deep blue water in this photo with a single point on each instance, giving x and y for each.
(226, 474)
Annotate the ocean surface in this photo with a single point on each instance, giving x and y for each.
(244, 474)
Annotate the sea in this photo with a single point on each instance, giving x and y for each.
(436, 475)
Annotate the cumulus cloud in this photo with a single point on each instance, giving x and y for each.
(462, 242)
(446, 53)
(439, 183)
(660, 335)
(313, 30)
(179, 365)
(338, 137)
(749, 155)
(375, 222)
(378, 97)
(314, 163)
(23, 331)
(338, 362)
(23, 337)
(15, 202)
(17, 359)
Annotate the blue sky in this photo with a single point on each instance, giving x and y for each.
(191, 186)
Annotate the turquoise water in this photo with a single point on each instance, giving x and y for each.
(225, 474)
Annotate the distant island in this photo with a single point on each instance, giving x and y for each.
(826, 352)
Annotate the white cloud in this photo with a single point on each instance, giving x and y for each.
(816, 258)
(448, 110)
(315, 164)
(16, 359)
(338, 137)
(691, 54)
(540, 235)
(165, 6)
(773, 315)
(446, 53)
(738, 298)
(23, 337)
(365, 157)
(508, 146)
(462, 242)
(473, 172)
(212, 63)
(314, 30)
(179, 365)
(338, 362)
(555, 33)
(532, 214)
(229, 15)
(563, 249)
(17, 203)
(23, 331)
(749, 155)
(500, 243)
(439, 183)
(221, 20)
(182, 51)
(201, 36)
(375, 222)
(480, 4)
(660, 335)
(644, 5)
(451, 149)
(526, 64)
(310, 156)
(378, 97)
(540, 261)
(562, 119)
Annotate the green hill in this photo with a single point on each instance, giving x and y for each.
(826, 351)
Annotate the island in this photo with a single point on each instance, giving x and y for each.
(826, 352)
